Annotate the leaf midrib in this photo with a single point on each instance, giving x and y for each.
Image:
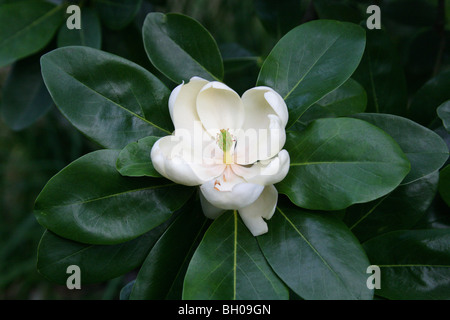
(31, 25)
(314, 250)
(111, 101)
(111, 195)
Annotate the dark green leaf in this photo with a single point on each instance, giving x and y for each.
(26, 27)
(426, 151)
(89, 35)
(381, 74)
(339, 162)
(348, 99)
(401, 209)
(162, 274)
(443, 112)
(25, 97)
(315, 255)
(97, 262)
(228, 265)
(444, 184)
(312, 60)
(181, 48)
(429, 97)
(414, 264)
(117, 14)
(90, 202)
(134, 160)
(111, 100)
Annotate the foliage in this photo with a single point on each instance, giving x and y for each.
(368, 138)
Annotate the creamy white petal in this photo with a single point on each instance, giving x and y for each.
(182, 104)
(265, 172)
(241, 194)
(209, 210)
(263, 207)
(174, 161)
(263, 132)
(219, 107)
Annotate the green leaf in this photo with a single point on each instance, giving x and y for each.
(381, 74)
(134, 160)
(90, 202)
(443, 112)
(20, 110)
(401, 209)
(425, 149)
(117, 14)
(97, 263)
(444, 184)
(414, 264)
(162, 274)
(228, 265)
(111, 100)
(89, 35)
(312, 60)
(315, 255)
(26, 27)
(348, 99)
(429, 97)
(339, 162)
(181, 48)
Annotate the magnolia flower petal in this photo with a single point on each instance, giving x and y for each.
(219, 107)
(263, 207)
(240, 196)
(209, 210)
(173, 160)
(183, 107)
(265, 172)
(263, 132)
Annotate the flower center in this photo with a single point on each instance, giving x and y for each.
(225, 141)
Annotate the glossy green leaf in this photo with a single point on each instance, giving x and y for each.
(381, 74)
(117, 14)
(162, 274)
(279, 17)
(181, 48)
(339, 162)
(425, 150)
(315, 255)
(111, 100)
(26, 27)
(444, 184)
(401, 209)
(20, 110)
(414, 264)
(134, 160)
(90, 202)
(312, 60)
(89, 35)
(348, 99)
(429, 97)
(97, 262)
(443, 112)
(228, 265)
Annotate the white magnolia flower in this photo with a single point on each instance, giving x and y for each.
(228, 145)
